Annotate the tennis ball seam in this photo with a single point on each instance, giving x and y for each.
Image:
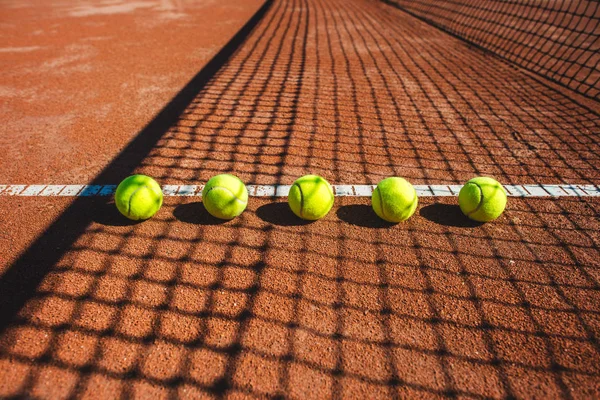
(229, 190)
(380, 203)
(301, 200)
(481, 201)
(131, 198)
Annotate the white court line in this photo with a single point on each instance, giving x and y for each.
(530, 190)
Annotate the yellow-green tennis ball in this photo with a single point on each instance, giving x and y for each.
(394, 199)
(482, 199)
(138, 197)
(311, 197)
(225, 196)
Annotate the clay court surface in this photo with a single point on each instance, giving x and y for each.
(266, 305)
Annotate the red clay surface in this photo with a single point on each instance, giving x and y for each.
(79, 80)
(267, 305)
(557, 39)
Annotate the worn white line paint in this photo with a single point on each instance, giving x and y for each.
(363, 190)
(12, 190)
(71, 190)
(52, 190)
(170, 190)
(529, 190)
(515, 190)
(32, 190)
(423, 191)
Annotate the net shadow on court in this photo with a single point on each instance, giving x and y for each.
(267, 306)
(558, 40)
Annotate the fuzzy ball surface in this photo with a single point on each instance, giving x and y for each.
(311, 197)
(138, 197)
(225, 196)
(482, 199)
(394, 199)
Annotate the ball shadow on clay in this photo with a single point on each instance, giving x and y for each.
(362, 215)
(447, 215)
(280, 214)
(195, 213)
(106, 213)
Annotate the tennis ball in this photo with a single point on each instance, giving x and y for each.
(138, 197)
(311, 197)
(482, 199)
(225, 196)
(394, 199)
